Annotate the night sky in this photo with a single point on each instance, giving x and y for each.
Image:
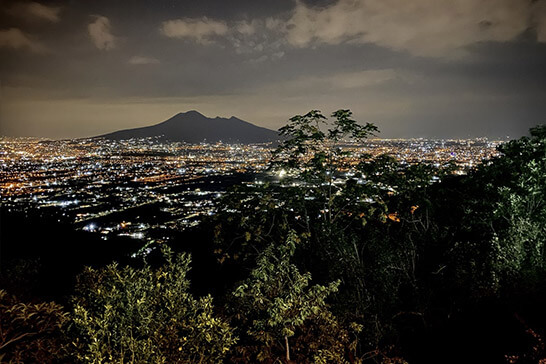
(415, 68)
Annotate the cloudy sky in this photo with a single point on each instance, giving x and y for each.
(416, 68)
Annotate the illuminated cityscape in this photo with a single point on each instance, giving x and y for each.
(144, 188)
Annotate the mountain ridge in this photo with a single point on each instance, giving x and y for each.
(193, 127)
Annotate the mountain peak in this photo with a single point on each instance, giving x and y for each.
(190, 113)
(193, 127)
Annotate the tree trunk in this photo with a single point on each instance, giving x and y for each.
(287, 349)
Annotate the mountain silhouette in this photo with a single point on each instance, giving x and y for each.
(194, 127)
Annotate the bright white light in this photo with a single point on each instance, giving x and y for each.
(90, 227)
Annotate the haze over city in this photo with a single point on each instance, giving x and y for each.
(424, 68)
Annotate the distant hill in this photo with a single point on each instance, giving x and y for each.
(194, 127)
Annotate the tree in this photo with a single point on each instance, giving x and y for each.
(315, 195)
(277, 305)
(146, 315)
(517, 232)
(316, 158)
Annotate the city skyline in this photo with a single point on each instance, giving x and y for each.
(424, 68)
(94, 184)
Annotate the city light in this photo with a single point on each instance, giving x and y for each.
(119, 182)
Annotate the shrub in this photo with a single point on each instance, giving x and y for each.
(123, 314)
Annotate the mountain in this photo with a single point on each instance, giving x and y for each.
(194, 127)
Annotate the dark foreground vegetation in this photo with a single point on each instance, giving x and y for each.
(328, 263)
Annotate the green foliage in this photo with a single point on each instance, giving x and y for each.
(277, 305)
(500, 236)
(519, 214)
(146, 315)
(31, 332)
(522, 205)
(312, 154)
(315, 161)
